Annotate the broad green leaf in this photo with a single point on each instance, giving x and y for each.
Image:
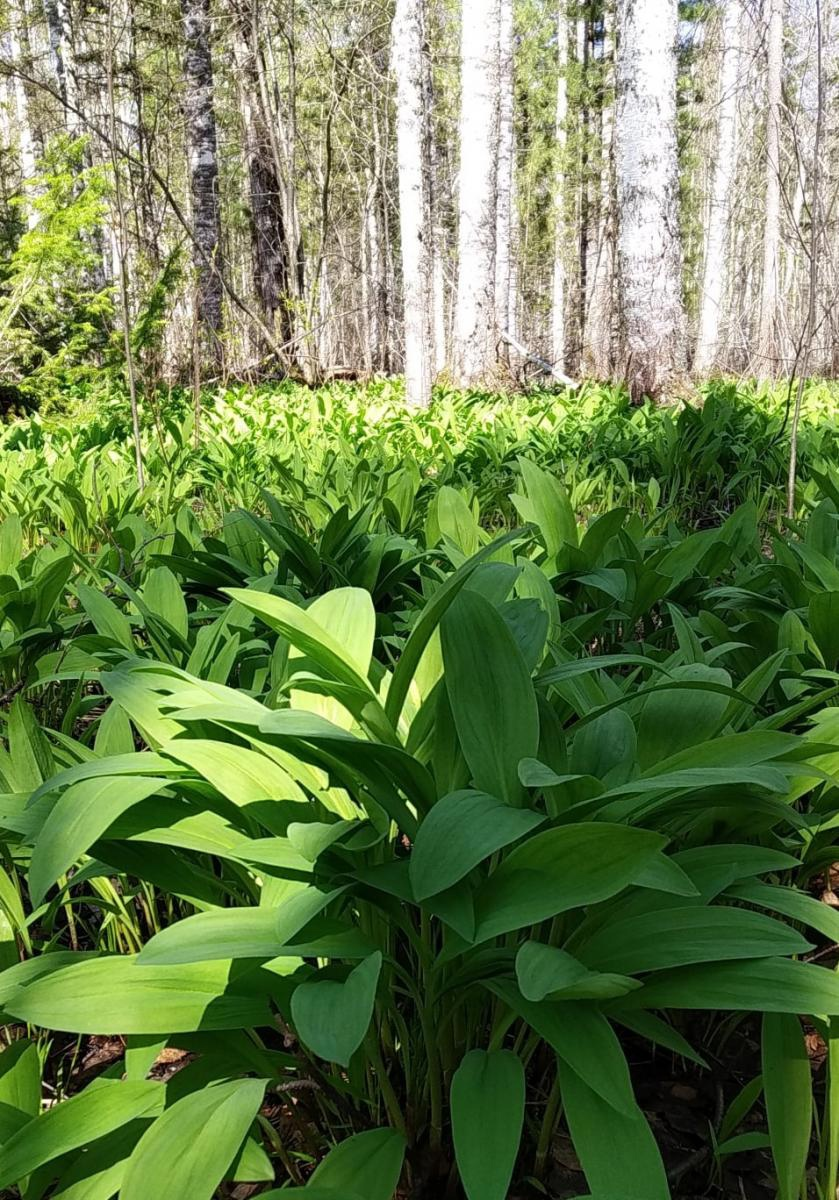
(367, 1163)
(78, 818)
(227, 933)
(461, 830)
(20, 1077)
(312, 638)
(118, 996)
(332, 1016)
(667, 724)
(429, 620)
(162, 595)
(190, 1148)
(491, 694)
(617, 1150)
(547, 505)
(544, 971)
(760, 985)
(582, 1037)
(243, 776)
(675, 937)
(108, 620)
(794, 904)
(65, 1127)
(487, 1112)
(788, 1092)
(561, 869)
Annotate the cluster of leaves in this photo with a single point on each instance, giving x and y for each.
(55, 310)
(394, 826)
(343, 445)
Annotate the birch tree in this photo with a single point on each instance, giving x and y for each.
(203, 167)
(767, 333)
(646, 166)
(719, 203)
(415, 236)
(506, 167)
(475, 331)
(560, 224)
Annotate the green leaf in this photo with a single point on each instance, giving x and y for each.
(190, 1148)
(226, 933)
(665, 726)
(162, 595)
(79, 817)
(788, 1093)
(118, 996)
(332, 1017)
(462, 830)
(308, 634)
(107, 619)
(547, 505)
(73, 1123)
(368, 1163)
(582, 1037)
(20, 1077)
(427, 623)
(676, 937)
(546, 971)
(561, 869)
(487, 1112)
(617, 1150)
(491, 694)
(760, 985)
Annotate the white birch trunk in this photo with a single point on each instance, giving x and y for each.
(415, 237)
(475, 332)
(714, 270)
(646, 166)
(26, 147)
(558, 288)
(506, 168)
(767, 335)
(598, 340)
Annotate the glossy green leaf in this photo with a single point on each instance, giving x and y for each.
(332, 1016)
(487, 1108)
(190, 1148)
(491, 694)
(67, 1126)
(461, 830)
(787, 1090)
(367, 1163)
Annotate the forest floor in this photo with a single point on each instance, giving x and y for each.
(635, 544)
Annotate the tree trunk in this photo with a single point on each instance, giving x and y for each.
(714, 271)
(767, 334)
(506, 169)
(598, 343)
(415, 235)
(21, 53)
(652, 316)
(203, 167)
(558, 289)
(269, 249)
(475, 333)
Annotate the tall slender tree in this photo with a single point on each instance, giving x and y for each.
(560, 249)
(506, 168)
(414, 210)
(719, 204)
(646, 165)
(199, 107)
(767, 332)
(476, 331)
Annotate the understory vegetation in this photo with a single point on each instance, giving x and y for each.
(420, 804)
